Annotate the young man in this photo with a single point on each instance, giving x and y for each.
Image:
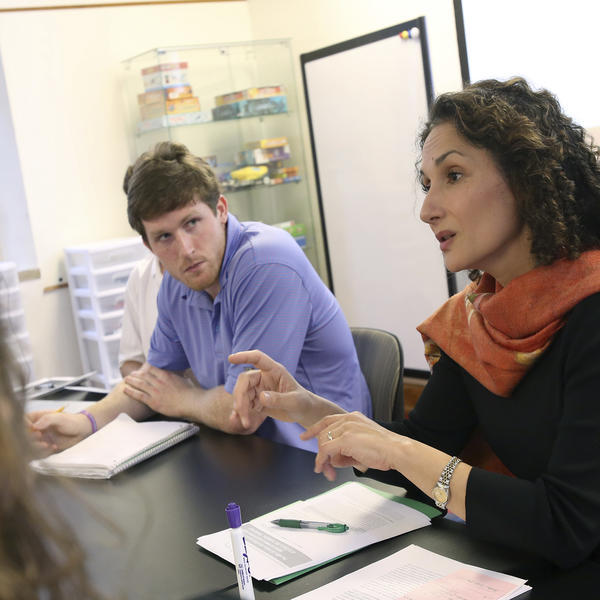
(227, 286)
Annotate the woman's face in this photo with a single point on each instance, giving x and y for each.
(471, 209)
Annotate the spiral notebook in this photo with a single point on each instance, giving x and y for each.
(119, 445)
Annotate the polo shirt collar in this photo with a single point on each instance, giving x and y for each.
(234, 238)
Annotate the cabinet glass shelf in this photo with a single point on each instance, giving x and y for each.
(168, 121)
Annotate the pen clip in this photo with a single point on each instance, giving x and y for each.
(334, 528)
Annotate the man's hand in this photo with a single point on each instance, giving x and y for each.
(163, 391)
(171, 395)
(53, 431)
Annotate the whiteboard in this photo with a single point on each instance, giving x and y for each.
(366, 99)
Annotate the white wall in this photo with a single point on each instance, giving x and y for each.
(62, 69)
(565, 68)
(313, 24)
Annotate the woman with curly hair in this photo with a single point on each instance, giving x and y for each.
(512, 193)
(39, 557)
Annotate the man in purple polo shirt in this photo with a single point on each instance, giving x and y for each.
(228, 286)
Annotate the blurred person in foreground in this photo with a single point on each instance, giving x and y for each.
(39, 555)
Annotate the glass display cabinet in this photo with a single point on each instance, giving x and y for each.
(235, 105)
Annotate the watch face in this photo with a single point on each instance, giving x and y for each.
(440, 495)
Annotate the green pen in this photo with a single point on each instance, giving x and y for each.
(297, 524)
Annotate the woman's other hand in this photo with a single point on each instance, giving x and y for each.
(352, 440)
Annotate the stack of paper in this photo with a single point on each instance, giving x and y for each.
(276, 552)
(417, 574)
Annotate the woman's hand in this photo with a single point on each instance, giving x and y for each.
(53, 431)
(352, 440)
(271, 388)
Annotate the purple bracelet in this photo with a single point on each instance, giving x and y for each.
(91, 418)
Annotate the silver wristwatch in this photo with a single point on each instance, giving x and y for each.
(441, 491)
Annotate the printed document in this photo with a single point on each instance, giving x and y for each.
(275, 551)
(418, 574)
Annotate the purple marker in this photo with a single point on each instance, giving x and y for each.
(240, 553)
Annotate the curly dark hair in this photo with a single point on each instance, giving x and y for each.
(549, 162)
(165, 179)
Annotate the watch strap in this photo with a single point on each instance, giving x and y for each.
(448, 470)
(444, 480)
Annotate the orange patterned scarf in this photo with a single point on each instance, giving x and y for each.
(497, 333)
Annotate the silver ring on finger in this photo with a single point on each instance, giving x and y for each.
(329, 436)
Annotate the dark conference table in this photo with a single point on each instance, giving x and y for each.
(140, 527)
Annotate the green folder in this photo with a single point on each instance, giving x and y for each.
(427, 510)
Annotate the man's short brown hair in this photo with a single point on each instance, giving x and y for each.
(165, 179)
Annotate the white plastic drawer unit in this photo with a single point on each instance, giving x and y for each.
(98, 273)
(12, 321)
(26, 366)
(106, 323)
(8, 276)
(105, 302)
(10, 300)
(20, 346)
(103, 355)
(106, 254)
(101, 280)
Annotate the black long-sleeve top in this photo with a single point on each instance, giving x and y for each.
(547, 433)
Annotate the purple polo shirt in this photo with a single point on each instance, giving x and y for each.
(271, 299)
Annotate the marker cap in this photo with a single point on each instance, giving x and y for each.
(234, 515)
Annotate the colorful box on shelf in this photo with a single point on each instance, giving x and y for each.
(250, 108)
(249, 94)
(172, 92)
(283, 175)
(244, 178)
(285, 172)
(249, 173)
(293, 228)
(264, 106)
(173, 120)
(152, 111)
(266, 143)
(280, 180)
(262, 155)
(210, 160)
(164, 75)
(169, 107)
(296, 230)
(230, 98)
(182, 105)
(226, 111)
